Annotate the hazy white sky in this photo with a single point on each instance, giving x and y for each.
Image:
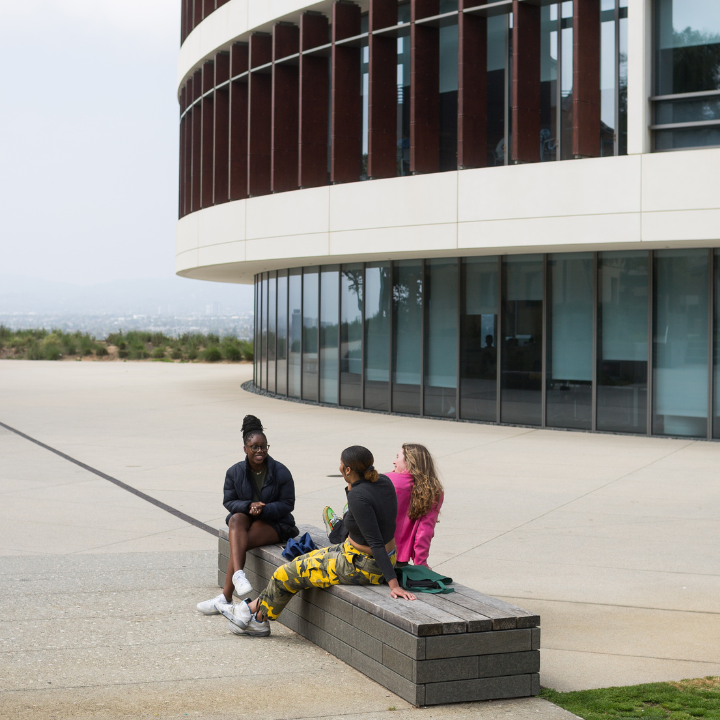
(88, 138)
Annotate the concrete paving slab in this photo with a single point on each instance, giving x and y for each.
(607, 537)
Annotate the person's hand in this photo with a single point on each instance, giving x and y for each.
(256, 508)
(397, 592)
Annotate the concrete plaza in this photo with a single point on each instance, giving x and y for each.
(612, 540)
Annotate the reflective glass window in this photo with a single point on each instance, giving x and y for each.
(687, 60)
(570, 340)
(365, 96)
(622, 345)
(295, 330)
(282, 325)
(566, 80)
(329, 333)
(256, 333)
(263, 331)
(403, 99)
(497, 83)
(608, 77)
(407, 336)
(351, 305)
(448, 96)
(522, 330)
(272, 335)
(310, 337)
(441, 338)
(549, 54)
(680, 343)
(377, 336)
(478, 339)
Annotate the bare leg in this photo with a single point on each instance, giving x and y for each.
(245, 534)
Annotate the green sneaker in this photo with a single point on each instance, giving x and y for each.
(329, 518)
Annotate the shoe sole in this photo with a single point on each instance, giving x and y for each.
(214, 611)
(233, 619)
(243, 631)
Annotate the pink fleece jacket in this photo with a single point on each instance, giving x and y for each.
(412, 537)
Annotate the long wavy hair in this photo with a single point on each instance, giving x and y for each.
(427, 488)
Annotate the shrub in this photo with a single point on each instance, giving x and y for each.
(51, 351)
(101, 351)
(192, 353)
(212, 354)
(176, 354)
(123, 353)
(158, 353)
(247, 350)
(138, 352)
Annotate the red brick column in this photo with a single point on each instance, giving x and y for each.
(526, 83)
(313, 100)
(285, 109)
(259, 116)
(424, 89)
(346, 111)
(586, 78)
(472, 89)
(196, 143)
(208, 133)
(382, 101)
(222, 129)
(238, 123)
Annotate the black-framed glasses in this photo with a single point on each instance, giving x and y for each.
(258, 448)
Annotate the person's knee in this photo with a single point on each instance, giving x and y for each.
(239, 521)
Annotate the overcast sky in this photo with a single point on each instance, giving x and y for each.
(88, 138)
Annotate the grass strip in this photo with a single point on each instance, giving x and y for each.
(683, 700)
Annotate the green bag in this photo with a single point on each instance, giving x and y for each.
(418, 578)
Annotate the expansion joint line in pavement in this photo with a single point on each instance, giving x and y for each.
(144, 496)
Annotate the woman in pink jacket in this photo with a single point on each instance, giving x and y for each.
(420, 497)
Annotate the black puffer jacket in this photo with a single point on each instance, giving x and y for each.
(278, 492)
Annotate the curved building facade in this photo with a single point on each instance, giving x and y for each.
(500, 212)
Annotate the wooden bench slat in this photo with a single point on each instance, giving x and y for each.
(476, 622)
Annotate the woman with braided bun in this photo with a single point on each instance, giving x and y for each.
(259, 495)
(366, 557)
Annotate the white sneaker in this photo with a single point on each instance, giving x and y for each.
(254, 628)
(241, 583)
(238, 613)
(212, 607)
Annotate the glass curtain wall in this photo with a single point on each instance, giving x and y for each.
(687, 60)
(310, 335)
(497, 84)
(365, 96)
(377, 336)
(441, 337)
(272, 334)
(478, 338)
(256, 333)
(329, 333)
(569, 367)
(407, 336)
(680, 343)
(448, 72)
(351, 317)
(400, 336)
(622, 345)
(282, 325)
(522, 340)
(295, 331)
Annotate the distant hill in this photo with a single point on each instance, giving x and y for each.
(164, 296)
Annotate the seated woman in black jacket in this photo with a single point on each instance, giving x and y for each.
(259, 494)
(365, 558)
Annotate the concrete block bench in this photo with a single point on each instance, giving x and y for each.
(439, 649)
